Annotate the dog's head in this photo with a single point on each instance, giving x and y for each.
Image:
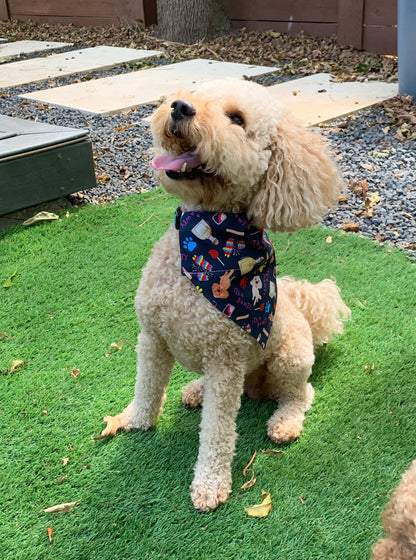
(231, 146)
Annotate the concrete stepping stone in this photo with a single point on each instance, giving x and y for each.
(16, 48)
(117, 93)
(64, 64)
(315, 99)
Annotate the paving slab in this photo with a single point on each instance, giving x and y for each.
(65, 64)
(16, 48)
(315, 99)
(126, 91)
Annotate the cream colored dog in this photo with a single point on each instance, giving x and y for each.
(232, 147)
(399, 520)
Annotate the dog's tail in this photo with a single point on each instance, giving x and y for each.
(320, 304)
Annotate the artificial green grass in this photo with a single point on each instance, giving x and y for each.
(72, 297)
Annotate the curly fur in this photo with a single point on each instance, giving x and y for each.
(399, 520)
(258, 160)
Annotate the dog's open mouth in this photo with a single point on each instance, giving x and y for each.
(186, 166)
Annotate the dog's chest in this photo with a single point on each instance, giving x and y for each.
(170, 306)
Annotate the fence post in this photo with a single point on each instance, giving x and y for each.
(406, 46)
(4, 10)
(350, 23)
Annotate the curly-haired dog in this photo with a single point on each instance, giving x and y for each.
(239, 162)
(399, 519)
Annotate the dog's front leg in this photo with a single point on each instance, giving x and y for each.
(154, 366)
(223, 388)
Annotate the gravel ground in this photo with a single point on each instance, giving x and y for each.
(375, 148)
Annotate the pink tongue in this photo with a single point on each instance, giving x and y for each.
(175, 163)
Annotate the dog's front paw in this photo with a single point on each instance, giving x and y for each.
(284, 431)
(207, 494)
(193, 393)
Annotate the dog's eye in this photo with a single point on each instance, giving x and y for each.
(236, 118)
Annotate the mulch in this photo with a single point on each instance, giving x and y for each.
(294, 55)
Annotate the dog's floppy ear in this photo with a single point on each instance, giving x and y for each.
(301, 182)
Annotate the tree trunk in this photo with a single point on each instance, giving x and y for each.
(190, 21)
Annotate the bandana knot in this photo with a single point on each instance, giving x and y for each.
(232, 264)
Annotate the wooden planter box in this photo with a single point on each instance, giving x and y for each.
(41, 162)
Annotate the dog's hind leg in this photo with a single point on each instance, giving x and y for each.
(223, 387)
(288, 371)
(154, 367)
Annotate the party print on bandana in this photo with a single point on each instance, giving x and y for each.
(233, 265)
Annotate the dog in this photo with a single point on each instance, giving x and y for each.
(399, 520)
(240, 163)
(256, 285)
(220, 289)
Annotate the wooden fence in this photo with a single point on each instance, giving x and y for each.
(365, 24)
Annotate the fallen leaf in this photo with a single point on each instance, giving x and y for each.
(117, 346)
(272, 452)
(9, 282)
(75, 373)
(65, 461)
(360, 188)
(249, 463)
(342, 198)
(41, 217)
(351, 227)
(369, 204)
(250, 482)
(62, 479)
(263, 509)
(50, 531)
(102, 177)
(368, 166)
(329, 239)
(61, 508)
(16, 365)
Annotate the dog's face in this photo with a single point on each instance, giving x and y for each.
(232, 146)
(219, 143)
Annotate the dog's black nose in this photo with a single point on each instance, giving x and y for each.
(182, 110)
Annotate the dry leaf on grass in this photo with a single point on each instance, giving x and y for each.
(50, 531)
(16, 365)
(249, 463)
(250, 482)
(41, 217)
(272, 451)
(9, 282)
(61, 508)
(113, 424)
(263, 509)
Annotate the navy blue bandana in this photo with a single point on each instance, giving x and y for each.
(233, 265)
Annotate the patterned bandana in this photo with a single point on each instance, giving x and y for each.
(232, 264)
